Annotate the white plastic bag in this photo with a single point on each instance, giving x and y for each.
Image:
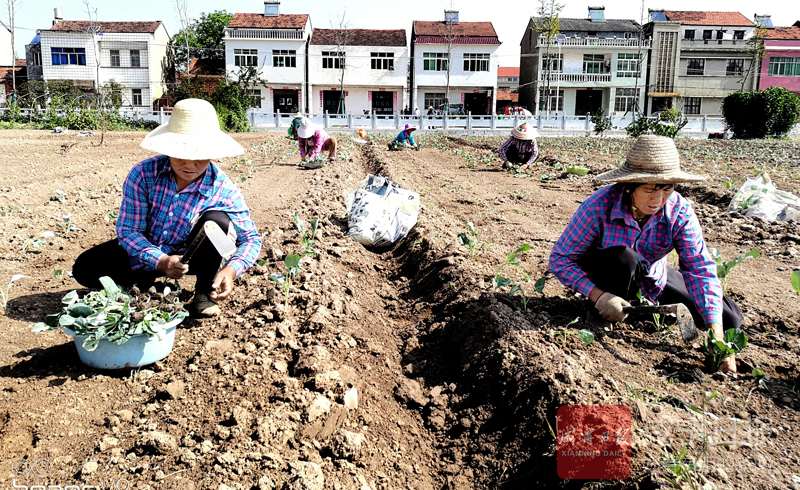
(761, 198)
(380, 212)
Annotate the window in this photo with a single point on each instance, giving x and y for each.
(787, 67)
(691, 105)
(137, 96)
(382, 61)
(695, 67)
(720, 34)
(434, 62)
(627, 65)
(688, 34)
(626, 99)
(435, 100)
(555, 102)
(246, 57)
(594, 63)
(476, 61)
(136, 59)
(707, 34)
(115, 57)
(68, 56)
(735, 68)
(556, 62)
(332, 59)
(516, 79)
(255, 98)
(37, 58)
(738, 34)
(284, 58)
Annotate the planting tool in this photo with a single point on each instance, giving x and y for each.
(685, 321)
(211, 231)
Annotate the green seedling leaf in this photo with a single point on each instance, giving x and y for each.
(796, 281)
(292, 261)
(538, 286)
(79, 310)
(463, 238)
(48, 234)
(576, 170)
(40, 327)
(737, 338)
(586, 336)
(279, 278)
(500, 282)
(110, 287)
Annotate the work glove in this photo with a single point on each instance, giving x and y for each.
(610, 307)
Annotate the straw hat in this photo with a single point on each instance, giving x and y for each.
(651, 160)
(524, 132)
(192, 133)
(306, 128)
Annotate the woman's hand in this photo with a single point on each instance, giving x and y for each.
(729, 363)
(172, 266)
(223, 283)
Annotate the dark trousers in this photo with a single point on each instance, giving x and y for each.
(615, 270)
(110, 259)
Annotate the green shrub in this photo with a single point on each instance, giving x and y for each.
(602, 123)
(669, 123)
(761, 114)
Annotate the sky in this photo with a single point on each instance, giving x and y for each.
(509, 23)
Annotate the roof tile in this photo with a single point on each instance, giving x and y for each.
(283, 21)
(709, 18)
(783, 33)
(361, 37)
(439, 28)
(116, 27)
(506, 94)
(507, 71)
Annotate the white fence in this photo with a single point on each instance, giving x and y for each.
(260, 120)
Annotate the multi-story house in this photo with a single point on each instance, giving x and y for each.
(780, 65)
(697, 59)
(6, 50)
(95, 54)
(33, 57)
(369, 65)
(593, 63)
(508, 78)
(464, 52)
(276, 45)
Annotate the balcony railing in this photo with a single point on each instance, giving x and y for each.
(576, 77)
(265, 34)
(594, 41)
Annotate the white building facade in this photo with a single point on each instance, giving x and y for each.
(468, 50)
(6, 50)
(369, 65)
(594, 64)
(276, 45)
(96, 54)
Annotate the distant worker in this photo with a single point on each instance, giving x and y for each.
(430, 111)
(416, 111)
(298, 119)
(314, 140)
(404, 139)
(520, 149)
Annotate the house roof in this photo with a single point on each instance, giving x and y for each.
(424, 28)
(586, 25)
(283, 21)
(207, 68)
(22, 62)
(507, 71)
(691, 17)
(148, 27)
(783, 33)
(361, 37)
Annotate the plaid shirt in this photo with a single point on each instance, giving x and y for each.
(523, 146)
(155, 219)
(603, 221)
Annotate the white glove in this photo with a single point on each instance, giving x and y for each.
(610, 307)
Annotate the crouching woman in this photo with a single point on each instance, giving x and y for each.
(617, 242)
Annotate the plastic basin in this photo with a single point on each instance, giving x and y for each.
(139, 350)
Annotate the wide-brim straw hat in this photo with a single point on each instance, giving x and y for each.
(409, 128)
(651, 160)
(524, 132)
(306, 128)
(192, 133)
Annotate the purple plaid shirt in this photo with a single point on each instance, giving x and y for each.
(602, 221)
(155, 219)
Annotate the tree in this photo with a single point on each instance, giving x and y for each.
(94, 29)
(182, 9)
(449, 32)
(201, 38)
(755, 48)
(547, 24)
(12, 14)
(341, 35)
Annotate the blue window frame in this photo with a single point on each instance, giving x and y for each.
(68, 56)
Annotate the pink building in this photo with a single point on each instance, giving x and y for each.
(780, 66)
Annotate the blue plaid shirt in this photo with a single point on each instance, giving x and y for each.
(603, 221)
(155, 219)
